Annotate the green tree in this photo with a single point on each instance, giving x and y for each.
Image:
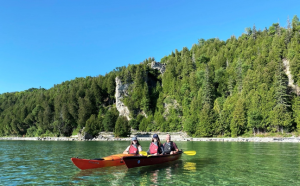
(238, 121)
(206, 120)
(122, 129)
(92, 126)
(207, 89)
(296, 111)
(295, 23)
(280, 118)
(109, 120)
(133, 123)
(254, 32)
(145, 102)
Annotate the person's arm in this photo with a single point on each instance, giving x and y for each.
(148, 151)
(175, 147)
(162, 149)
(140, 149)
(127, 150)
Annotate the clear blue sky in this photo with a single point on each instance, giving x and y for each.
(46, 42)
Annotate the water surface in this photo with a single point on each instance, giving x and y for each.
(216, 163)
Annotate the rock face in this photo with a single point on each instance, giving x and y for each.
(159, 66)
(83, 135)
(169, 104)
(294, 87)
(121, 91)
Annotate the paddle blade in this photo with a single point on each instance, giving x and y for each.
(144, 153)
(190, 153)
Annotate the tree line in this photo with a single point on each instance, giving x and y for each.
(216, 88)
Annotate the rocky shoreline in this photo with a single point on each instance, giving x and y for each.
(147, 138)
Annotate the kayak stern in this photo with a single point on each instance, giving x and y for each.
(109, 161)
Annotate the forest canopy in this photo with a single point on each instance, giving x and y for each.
(215, 88)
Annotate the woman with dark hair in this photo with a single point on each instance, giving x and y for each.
(156, 147)
(134, 147)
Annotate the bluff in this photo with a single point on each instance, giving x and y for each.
(243, 86)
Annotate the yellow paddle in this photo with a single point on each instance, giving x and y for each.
(144, 153)
(190, 153)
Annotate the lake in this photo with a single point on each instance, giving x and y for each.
(216, 163)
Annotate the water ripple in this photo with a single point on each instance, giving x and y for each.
(216, 163)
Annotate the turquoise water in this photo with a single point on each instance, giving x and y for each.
(216, 163)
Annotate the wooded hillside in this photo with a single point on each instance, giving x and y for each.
(217, 88)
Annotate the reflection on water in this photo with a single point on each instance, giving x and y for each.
(190, 166)
(110, 175)
(163, 173)
(154, 176)
(149, 175)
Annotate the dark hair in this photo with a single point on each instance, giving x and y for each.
(158, 141)
(137, 143)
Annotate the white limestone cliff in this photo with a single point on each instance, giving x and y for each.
(287, 71)
(159, 66)
(121, 91)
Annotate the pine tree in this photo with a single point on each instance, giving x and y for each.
(296, 111)
(47, 118)
(239, 76)
(288, 32)
(207, 89)
(122, 129)
(278, 30)
(206, 120)
(280, 118)
(230, 85)
(109, 120)
(91, 126)
(220, 121)
(238, 121)
(254, 32)
(281, 86)
(295, 23)
(97, 94)
(145, 102)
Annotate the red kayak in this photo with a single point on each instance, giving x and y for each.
(138, 161)
(113, 160)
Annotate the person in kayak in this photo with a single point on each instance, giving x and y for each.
(156, 147)
(134, 147)
(170, 147)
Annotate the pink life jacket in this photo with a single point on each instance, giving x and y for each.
(153, 148)
(133, 150)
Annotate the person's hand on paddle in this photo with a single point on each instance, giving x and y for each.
(173, 152)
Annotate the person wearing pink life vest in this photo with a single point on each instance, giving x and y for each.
(155, 148)
(134, 147)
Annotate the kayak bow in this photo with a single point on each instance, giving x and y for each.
(138, 161)
(113, 160)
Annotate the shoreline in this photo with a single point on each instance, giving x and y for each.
(238, 139)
